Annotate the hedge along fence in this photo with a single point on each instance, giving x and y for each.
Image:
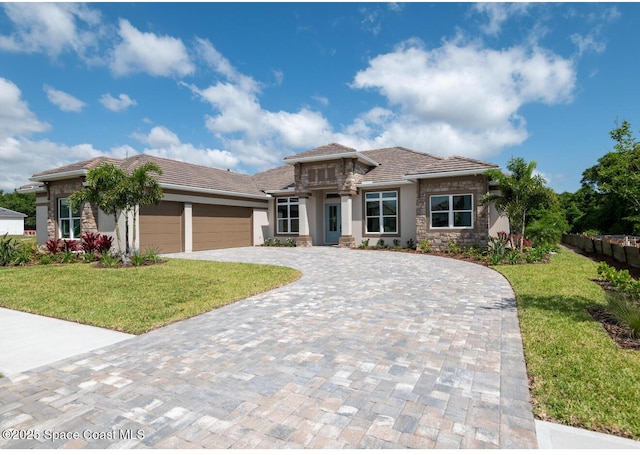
(622, 248)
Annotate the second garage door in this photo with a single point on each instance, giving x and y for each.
(220, 226)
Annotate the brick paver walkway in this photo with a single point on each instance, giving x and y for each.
(368, 349)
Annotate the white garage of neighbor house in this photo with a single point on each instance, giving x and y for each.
(11, 222)
(329, 195)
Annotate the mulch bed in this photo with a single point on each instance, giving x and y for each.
(618, 333)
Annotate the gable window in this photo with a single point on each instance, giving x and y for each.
(382, 212)
(288, 221)
(68, 221)
(451, 211)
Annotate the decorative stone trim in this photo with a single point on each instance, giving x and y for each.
(347, 241)
(304, 241)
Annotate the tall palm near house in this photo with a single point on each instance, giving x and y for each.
(520, 192)
(115, 192)
(143, 189)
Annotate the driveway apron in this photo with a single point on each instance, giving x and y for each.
(368, 349)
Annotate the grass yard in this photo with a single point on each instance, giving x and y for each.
(135, 300)
(580, 377)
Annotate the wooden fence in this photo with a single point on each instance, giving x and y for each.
(622, 249)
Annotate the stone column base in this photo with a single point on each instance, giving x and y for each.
(347, 241)
(304, 240)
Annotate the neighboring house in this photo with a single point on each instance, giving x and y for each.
(11, 222)
(330, 195)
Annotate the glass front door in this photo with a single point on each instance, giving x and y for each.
(332, 223)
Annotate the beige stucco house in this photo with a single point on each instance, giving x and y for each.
(330, 195)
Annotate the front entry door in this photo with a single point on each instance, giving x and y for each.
(332, 223)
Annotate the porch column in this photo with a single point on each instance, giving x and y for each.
(346, 215)
(304, 239)
(188, 227)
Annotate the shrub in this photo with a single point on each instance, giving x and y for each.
(411, 244)
(152, 255)
(25, 253)
(548, 229)
(397, 244)
(453, 247)
(103, 243)
(68, 256)
(54, 246)
(424, 246)
(46, 259)
(621, 280)
(89, 240)
(497, 249)
(268, 242)
(380, 243)
(627, 312)
(290, 242)
(364, 244)
(514, 257)
(109, 261)
(137, 259)
(8, 250)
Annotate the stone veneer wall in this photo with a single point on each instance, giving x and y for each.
(341, 174)
(439, 238)
(63, 189)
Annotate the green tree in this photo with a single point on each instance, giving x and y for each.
(116, 192)
(23, 203)
(616, 179)
(548, 222)
(520, 192)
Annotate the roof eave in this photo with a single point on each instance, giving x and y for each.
(59, 175)
(171, 186)
(439, 175)
(335, 156)
(385, 184)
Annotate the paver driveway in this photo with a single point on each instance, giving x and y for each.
(368, 349)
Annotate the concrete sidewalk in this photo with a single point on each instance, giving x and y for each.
(556, 436)
(29, 341)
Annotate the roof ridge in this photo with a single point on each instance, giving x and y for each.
(472, 159)
(417, 152)
(139, 155)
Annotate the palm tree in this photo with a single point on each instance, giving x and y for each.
(143, 189)
(114, 192)
(519, 193)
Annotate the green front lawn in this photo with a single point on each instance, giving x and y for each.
(138, 299)
(580, 376)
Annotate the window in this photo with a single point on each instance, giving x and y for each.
(69, 222)
(451, 211)
(288, 216)
(382, 212)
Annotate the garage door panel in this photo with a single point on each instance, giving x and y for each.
(217, 226)
(161, 227)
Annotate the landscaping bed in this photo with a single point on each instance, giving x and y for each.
(578, 375)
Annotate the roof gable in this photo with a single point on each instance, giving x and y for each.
(6, 213)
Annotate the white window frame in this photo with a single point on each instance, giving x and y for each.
(380, 200)
(287, 202)
(70, 219)
(450, 211)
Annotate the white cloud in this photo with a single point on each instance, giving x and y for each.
(165, 143)
(63, 100)
(51, 28)
(15, 117)
(20, 158)
(323, 100)
(118, 104)
(140, 52)
(463, 99)
(499, 13)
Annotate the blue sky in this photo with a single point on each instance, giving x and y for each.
(240, 86)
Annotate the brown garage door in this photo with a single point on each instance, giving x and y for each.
(161, 227)
(221, 226)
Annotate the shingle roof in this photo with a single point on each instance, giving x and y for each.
(79, 166)
(278, 178)
(396, 162)
(6, 213)
(324, 150)
(454, 164)
(173, 173)
(196, 176)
